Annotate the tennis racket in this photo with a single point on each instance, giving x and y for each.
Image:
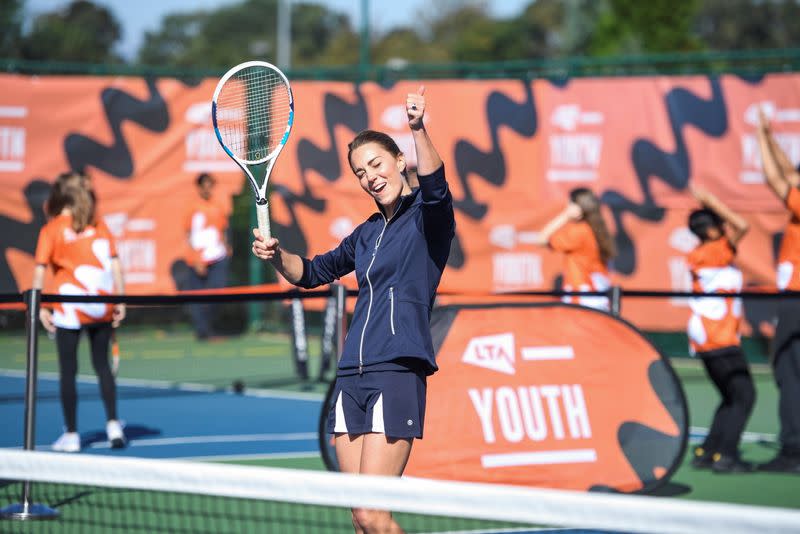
(252, 112)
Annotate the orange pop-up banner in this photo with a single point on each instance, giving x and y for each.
(513, 150)
(549, 395)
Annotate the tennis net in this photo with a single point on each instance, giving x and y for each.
(101, 494)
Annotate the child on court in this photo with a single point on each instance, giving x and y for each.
(784, 181)
(714, 331)
(81, 252)
(581, 234)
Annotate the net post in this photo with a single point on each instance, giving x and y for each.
(299, 338)
(328, 336)
(615, 298)
(340, 294)
(26, 510)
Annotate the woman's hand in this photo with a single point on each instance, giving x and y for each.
(573, 211)
(763, 121)
(265, 249)
(415, 108)
(118, 315)
(46, 317)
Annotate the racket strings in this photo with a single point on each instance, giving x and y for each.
(254, 110)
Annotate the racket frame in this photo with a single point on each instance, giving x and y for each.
(253, 168)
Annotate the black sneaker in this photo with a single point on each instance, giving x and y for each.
(782, 464)
(703, 459)
(730, 464)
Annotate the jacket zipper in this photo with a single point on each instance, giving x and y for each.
(369, 307)
(391, 308)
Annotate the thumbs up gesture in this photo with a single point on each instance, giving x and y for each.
(415, 107)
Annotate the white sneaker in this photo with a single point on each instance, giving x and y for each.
(116, 438)
(68, 442)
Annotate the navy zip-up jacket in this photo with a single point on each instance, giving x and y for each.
(398, 264)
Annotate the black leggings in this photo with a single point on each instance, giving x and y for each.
(67, 344)
(729, 371)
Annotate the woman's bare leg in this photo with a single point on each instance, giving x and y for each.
(380, 456)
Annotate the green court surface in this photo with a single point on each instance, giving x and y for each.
(260, 360)
(764, 489)
(263, 360)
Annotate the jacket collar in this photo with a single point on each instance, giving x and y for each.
(406, 201)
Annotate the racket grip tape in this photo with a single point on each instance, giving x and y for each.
(262, 214)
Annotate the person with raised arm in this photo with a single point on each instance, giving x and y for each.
(713, 330)
(398, 254)
(783, 180)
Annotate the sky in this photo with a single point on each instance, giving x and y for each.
(139, 16)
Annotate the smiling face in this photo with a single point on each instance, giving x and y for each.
(380, 174)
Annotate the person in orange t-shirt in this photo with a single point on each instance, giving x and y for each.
(784, 180)
(713, 331)
(206, 224)
(580, 232)
(82, 254)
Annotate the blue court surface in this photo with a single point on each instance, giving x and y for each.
(165, 420)
(169, 421)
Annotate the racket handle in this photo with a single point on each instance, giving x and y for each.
(262, 213)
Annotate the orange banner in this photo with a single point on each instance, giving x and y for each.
(142, 142)
(513, 150)
(580, 402)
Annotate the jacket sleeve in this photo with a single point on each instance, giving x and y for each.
(325, 268)
(437, 204)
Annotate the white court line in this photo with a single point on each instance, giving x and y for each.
(747, 437)
(221, 457)
(181, 386)
(240, 438)
(186, 440)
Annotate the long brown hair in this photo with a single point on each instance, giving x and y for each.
(83, 206)
(590, 205)
(71, 191)
(57, 199)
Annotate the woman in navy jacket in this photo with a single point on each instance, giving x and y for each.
(398, 254)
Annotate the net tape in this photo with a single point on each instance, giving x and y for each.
(628, 513)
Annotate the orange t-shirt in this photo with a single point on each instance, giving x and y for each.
(206, 223)
(81, 265)
(788, 276)
(584, 269)
(715, 321)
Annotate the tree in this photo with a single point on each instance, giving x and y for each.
(314, 29)
(632, 27)
(222, 37)
(10, 28)
(82, 31)
(748, 24)
(406, 45)
(170, 44)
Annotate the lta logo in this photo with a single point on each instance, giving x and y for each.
(492, 352)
